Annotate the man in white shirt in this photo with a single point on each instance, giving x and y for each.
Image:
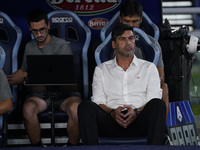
(124, 82)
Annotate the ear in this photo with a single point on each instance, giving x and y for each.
(113, 45)
(48, 26)
(120, 19)
(141, 19)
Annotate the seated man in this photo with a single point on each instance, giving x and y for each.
(45, 44)
(124, 83)
(6, 103)
(131, 14)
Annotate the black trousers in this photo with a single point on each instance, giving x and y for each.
(94, 122)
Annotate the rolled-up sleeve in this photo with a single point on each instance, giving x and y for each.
(153, 88)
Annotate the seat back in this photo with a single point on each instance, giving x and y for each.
(149, 27)
(149, 50)
(10, 40)
(67, 25)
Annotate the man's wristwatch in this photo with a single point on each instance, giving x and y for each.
(111, 112)
(138, 111)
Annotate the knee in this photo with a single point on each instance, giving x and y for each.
(28, 109)
(72, 109)
(157, 103)
(84, 106)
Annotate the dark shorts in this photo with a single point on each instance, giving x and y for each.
(57, 99)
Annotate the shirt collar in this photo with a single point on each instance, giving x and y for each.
(134, 62)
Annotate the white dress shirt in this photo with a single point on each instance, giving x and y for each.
(135, 87)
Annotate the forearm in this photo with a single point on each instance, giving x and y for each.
(6, 106)
(105, 108)
(17, 77)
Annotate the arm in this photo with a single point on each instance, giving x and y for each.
(164, 87)
(161, 74)
(17, 77)
(6, 105)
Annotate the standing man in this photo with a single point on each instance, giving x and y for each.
(45, 44)
(124, 83)
(6, 103)
(131, 14)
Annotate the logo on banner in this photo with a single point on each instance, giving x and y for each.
(85, 7)
(62, 19)
(1, 20)
(97, 23)
(179, 115)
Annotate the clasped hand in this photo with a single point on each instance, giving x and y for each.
(124, 120)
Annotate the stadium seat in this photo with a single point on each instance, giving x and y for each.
(67, 25)
(10, 40)
(149, 27)
(149, 50)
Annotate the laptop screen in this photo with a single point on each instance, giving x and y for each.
(50, 69)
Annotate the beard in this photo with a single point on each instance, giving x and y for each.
(41, 39)
(127, 51)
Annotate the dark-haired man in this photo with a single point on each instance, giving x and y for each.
(124, 83)
(45, 44)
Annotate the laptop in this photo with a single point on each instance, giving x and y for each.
(50, 69)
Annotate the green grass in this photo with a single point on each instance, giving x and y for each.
(196, 109)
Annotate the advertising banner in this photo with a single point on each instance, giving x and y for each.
(94, 13)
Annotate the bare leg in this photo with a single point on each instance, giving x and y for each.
(32, 107)
(70, 106)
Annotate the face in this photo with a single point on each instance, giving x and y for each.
(125, 44)
(133, 21)
(39, 30)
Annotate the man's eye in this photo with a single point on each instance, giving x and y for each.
(131, 38)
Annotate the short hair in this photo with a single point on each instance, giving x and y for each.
(119, 30)
(37, 15)
(131, 8)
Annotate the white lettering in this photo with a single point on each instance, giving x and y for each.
(55, 2)
(88, 1)
(137, 37)
(1, 20)
(74, 1)
(62, 19)
(179, 115)
(97, 23)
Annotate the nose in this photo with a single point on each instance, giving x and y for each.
(127, 41)
(38, 33)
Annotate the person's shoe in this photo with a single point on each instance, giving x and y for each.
(167, 140)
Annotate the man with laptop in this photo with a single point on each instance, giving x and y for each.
(35, 103)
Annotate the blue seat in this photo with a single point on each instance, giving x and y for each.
(104, 52)
(67, 25)
(149, 27)
(149, 50)
(10, 40)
